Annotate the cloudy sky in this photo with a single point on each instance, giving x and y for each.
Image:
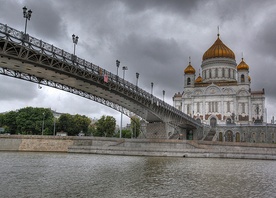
(152, 37)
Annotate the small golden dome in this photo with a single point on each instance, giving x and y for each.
(242, 66)
(249, 78)
(218, 49)
(189, 69)
(198, 79)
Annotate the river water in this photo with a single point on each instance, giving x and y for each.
(24, 174)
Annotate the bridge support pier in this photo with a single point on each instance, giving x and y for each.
(163, 130)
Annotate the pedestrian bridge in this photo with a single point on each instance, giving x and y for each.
(28, 58)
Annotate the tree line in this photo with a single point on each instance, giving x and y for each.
(41, 121)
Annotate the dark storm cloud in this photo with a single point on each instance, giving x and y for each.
(16, 90)
(184, 7)
(45, 21)
(153, 37)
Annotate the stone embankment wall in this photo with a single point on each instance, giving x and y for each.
(35, 143)
(138, 147)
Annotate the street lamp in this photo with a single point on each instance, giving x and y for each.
(137, 77)
(27, 15)
(163, 95)
(151, 88)
(124, 69)
(75, 41)
(43, 123)
(118, 65)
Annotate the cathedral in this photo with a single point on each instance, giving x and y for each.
(220, 95)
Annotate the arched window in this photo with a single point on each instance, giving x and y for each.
(213, 122)
(238, 137)
(242, 78)
(216, 72)
(243, 107)
(229, 73)
(228, 106)
(229, 136)
(220, 136)
(197, 107)
(210, 73)
(223, 73)
(188, 81)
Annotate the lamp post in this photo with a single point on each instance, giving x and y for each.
(124, 69)
(75, 41)
(43, 123)
(163, 95)
(137, 77)
(118, 65)
(27, 15)
(151, 88)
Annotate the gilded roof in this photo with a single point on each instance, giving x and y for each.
(218, 49)
(242, 66)
(198, 79)
(189, 69)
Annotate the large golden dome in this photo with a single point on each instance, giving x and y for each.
(242, 66)
(218, 49)
(189, 69)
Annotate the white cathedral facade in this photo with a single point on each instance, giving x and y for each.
(221, 94)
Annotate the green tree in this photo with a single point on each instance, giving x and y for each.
(81, 123)
(73, 124)
(9, 121)
(135, 126)
(32, 121)
(65, 124)
(105, 126)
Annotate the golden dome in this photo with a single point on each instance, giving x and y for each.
(242, 66)
(218, 49)
(198, 79)
(189, 69)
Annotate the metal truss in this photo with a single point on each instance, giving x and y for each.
(30, 78)
(17, 45)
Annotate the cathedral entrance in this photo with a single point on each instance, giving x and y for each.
(213, 122)
(189, 135)
(229, 136)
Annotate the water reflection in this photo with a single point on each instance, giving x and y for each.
(78, 175)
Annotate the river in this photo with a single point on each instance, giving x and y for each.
(25, 174)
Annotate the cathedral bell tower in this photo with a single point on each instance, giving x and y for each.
(243, 73)
(189, 75)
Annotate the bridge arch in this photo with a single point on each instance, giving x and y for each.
(34, 60)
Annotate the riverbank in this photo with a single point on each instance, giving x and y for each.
(138, 147)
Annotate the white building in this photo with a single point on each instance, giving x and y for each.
(221, 94)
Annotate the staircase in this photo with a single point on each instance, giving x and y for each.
(210, 135)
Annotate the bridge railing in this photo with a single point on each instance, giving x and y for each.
(49, 49)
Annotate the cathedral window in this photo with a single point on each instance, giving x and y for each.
(188, 109)
(213, 107)
(229, 73)
(228, 106)
(216, 72)
(188, 81)
(242, 78)
(223, 73)
(210, 73)
(204, 74)
(243, 107)
(197, 107)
